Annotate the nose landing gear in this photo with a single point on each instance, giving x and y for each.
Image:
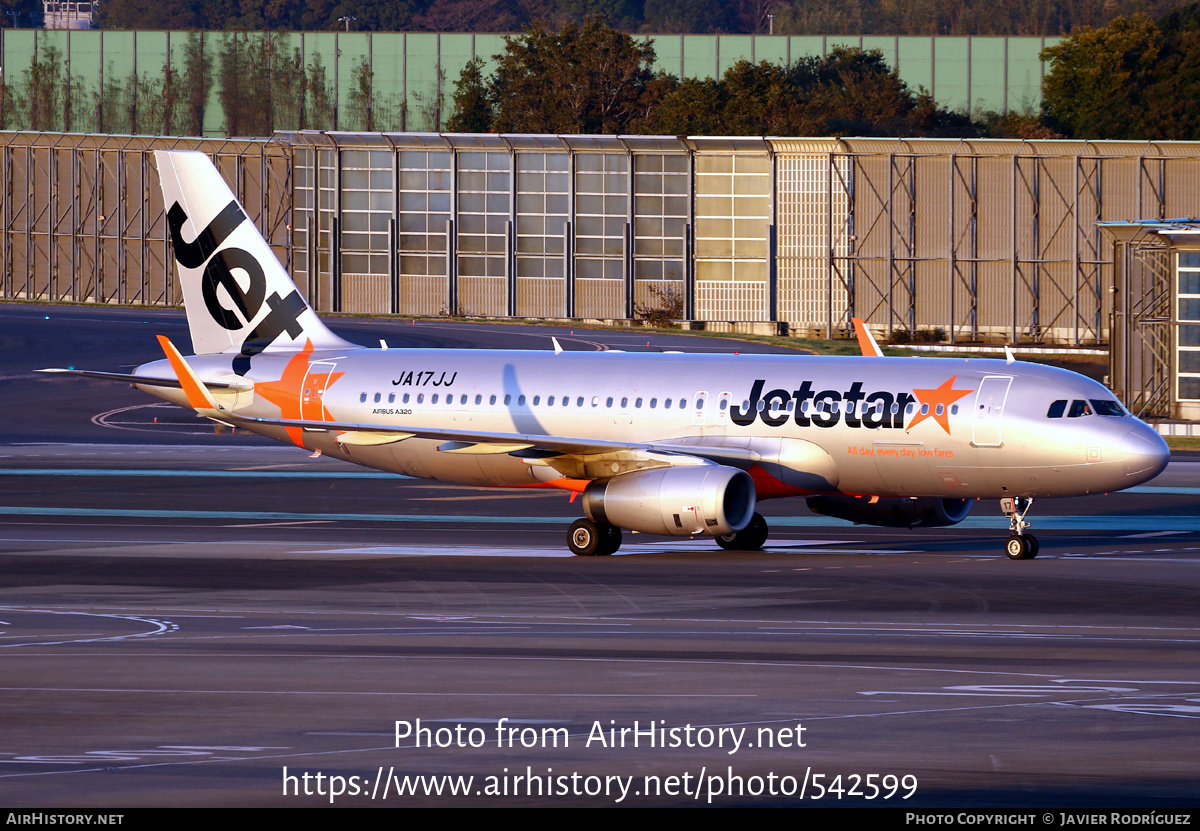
(1020, 546)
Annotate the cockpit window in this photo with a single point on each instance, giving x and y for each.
(1079, 408)
(1057, 409)
(1107, 408)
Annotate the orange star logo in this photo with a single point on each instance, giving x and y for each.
(299, 392)
(938, 400)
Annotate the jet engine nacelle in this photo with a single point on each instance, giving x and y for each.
(676, 501)
(924, 512)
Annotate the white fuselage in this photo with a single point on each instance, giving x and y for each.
(817, 424)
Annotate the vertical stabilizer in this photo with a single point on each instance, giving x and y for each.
(237, 295)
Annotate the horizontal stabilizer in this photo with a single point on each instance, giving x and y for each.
(198, 396)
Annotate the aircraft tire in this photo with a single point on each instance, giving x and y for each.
(585, 539)
(611, 539)
(750, 538)
(1021, 547)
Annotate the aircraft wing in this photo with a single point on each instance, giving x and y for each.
(145, 380)
(486, 443)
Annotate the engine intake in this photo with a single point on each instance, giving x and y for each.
(892, 512)
(676, 501)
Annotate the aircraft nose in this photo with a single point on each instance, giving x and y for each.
(1144, 453)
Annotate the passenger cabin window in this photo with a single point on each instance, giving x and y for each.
(363, 398)
(1057, 409)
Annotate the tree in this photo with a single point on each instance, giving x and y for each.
(361, 103)
(43, 91)
(472, 104)
(197, 81)
(589, 79)
(847, 92)
(151, 14)
(1098, 76)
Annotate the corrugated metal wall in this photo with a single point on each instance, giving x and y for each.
(982, 239)
(81, 217)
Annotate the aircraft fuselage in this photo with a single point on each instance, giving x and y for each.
(881, 426)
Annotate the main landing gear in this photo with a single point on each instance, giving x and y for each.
(597, 539)
(1020, 546)
(750, 538)
(593, 539)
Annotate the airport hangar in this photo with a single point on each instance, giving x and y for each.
(1044, 243)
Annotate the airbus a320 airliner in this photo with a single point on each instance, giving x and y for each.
(674, 444)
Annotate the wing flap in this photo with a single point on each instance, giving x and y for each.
(482, 448)
(358, 438)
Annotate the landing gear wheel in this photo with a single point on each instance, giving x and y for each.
(584, 538)
(1021, 547)
(612, 538)
(592, 539)
(750, 538)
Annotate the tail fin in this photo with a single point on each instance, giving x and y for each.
(237, 295)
